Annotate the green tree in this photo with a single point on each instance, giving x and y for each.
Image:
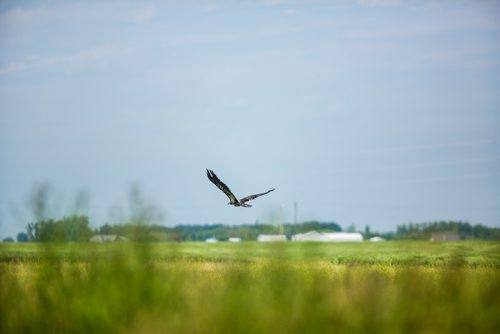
(22, 237)
(72, 228)
(106, 229)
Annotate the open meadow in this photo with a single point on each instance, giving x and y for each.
(249, 287)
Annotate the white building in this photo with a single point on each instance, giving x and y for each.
(377, 239)
(107, 238)
(309, 236)
(234, 239)
(211, 240)
(344, 236)
(328, 237)
(271, 237)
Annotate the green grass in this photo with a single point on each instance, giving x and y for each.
(391, 287)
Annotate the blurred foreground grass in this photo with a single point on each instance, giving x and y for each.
(391, 287)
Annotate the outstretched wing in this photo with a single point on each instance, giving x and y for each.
(251, 197)
(225, 189)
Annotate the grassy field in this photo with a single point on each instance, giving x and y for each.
(389, 287)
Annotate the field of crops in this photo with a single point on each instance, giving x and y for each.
(389, 287)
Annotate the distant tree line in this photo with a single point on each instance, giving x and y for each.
(465, 231)
(76, 228)
(202, 232)
(413, 231)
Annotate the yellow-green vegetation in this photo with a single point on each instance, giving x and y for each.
(391, 287)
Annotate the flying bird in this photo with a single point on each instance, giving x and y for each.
(232, 199)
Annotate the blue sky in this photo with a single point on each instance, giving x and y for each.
(377, 112)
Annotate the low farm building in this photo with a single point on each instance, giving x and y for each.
(211, 240)
(310, 236)
(108, 238)
(328, 237)
(377, 239)
(271, 237)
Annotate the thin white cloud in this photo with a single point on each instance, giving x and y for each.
(18, 16)
(23, 18)
(100, 56)
(107, 55)
(13, 68)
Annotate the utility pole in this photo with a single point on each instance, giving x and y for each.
(295, 212)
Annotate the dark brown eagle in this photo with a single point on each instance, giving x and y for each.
(225, 189)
